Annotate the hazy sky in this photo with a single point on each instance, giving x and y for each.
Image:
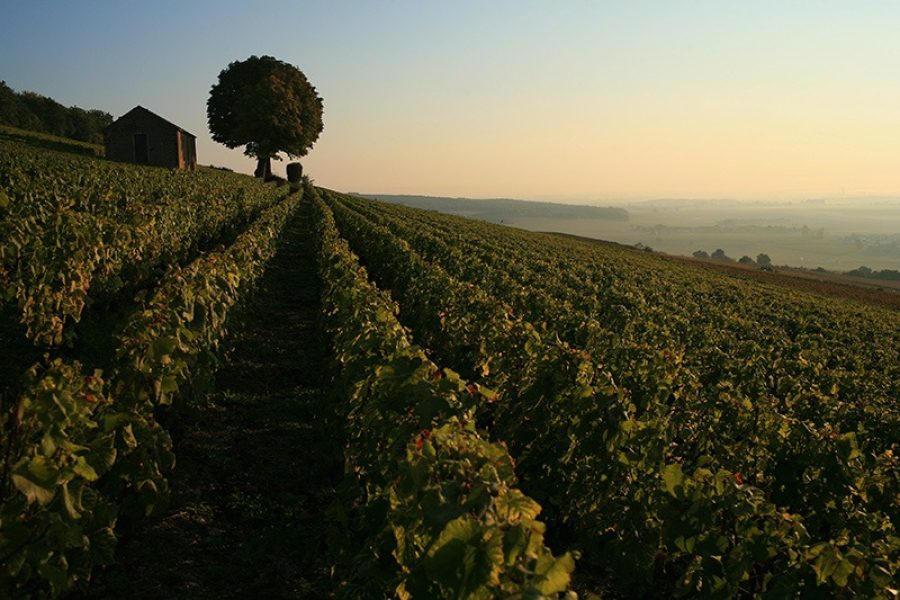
(553, 100)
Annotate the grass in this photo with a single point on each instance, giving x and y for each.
(50, 142)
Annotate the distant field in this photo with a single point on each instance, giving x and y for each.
(867, 291)
(504, 210)
(882, 293)
(835, 235)
(841, 237)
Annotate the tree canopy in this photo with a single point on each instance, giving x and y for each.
(266, 105)
(28, 110)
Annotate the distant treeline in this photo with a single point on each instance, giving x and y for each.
(504, 209)
(28, 110)
(762, 260)
(886, 274)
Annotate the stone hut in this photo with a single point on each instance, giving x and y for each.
(143, 137)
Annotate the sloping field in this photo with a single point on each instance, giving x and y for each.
(120, 286)
(509, 408)
(686, 431)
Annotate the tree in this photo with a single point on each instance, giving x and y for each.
(52, 114)
(701, 254)
(763, 260)
(719, 254)
(28, 110)
(14, 112)
(266, 105)
(746, 260)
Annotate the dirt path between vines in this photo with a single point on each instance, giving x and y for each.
(257, 461)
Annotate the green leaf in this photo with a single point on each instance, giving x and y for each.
(832, 564)
(85, 470)
(163, 346)
(32, 490)
(514, 544)
(451, 556)
(848, 447)
(673, 478)
(72, 500)
(514, 506)
(430, 407)
(168, 384)
(48, 445)
(555, 573)
(43, 470)
(36, 479)
(842, 572)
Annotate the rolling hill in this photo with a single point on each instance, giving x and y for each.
(367, 399)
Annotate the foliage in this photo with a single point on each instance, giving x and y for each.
(174, 339)
(73, 230)
(623, 378)
(719, 254)
(441, 499)
(85, 448)
(690, 434)
(266, 105)
(28, 110)
(866, 272)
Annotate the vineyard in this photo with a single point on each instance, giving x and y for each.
(517, 414)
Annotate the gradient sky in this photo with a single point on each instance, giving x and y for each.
(547, 100)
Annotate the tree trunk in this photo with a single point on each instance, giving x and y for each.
(263, 168)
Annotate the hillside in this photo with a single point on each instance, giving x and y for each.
(874, 292)
(659, 412)
(497, 210)
(48, 141)
(214, 386)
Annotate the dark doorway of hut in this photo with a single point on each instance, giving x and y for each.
(141, 151)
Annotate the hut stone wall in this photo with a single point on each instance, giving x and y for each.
(167, 145)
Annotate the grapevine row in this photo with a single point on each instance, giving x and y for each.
(875, 419)
(443, 499)
(571, 429)
(87, 449)
(714, 340)
(75, 230)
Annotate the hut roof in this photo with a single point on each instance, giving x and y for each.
(140, 109)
